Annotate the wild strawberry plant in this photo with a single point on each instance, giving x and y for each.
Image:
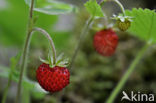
(56, 64)
(53, 74)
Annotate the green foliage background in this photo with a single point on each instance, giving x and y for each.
(93, 77)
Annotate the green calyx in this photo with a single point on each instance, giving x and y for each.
(123, 22)
(60, 61)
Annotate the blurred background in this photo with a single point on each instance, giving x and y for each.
(94, 76)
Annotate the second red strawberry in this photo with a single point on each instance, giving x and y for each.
(105, 42)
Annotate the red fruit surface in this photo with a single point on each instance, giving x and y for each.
(105, 42)
(52, 79)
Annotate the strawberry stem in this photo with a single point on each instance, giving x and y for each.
(46, 34)
(127, 74)
(101, 2)
(121, 6)
(25, 52)
(82, 35)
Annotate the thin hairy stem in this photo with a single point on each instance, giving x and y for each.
(46, 34)
(7, 87)
(23, 66)
(127, 74)
(121, 6)
(31, 9)
(25, 52)
(82, 36)
(100, 1)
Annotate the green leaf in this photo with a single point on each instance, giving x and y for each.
(10, 36)
(27, 84)
(93, 8)
(51, 7)
(143, 24)
(28, 2)
(4, 71)
(7, 72)
(26, 96)
(38, 92)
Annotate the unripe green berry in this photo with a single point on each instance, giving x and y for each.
(123, 26)
(123, 22)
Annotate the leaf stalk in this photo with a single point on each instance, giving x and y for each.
(125, 77)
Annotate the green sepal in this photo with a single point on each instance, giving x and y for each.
(122, 18)
(60, 61)
(44, 61)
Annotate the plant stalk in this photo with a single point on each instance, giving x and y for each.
(82, 36)
(25, 52)
(7, 87)
(50, 40)
(127, 74)
(23, 66)
(6, 91)
(120, 5)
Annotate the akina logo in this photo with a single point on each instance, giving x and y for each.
(141, 97)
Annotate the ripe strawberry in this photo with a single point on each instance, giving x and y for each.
(52, 79)
(105, 42)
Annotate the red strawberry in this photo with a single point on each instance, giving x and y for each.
(52, 79)
(105, 42)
